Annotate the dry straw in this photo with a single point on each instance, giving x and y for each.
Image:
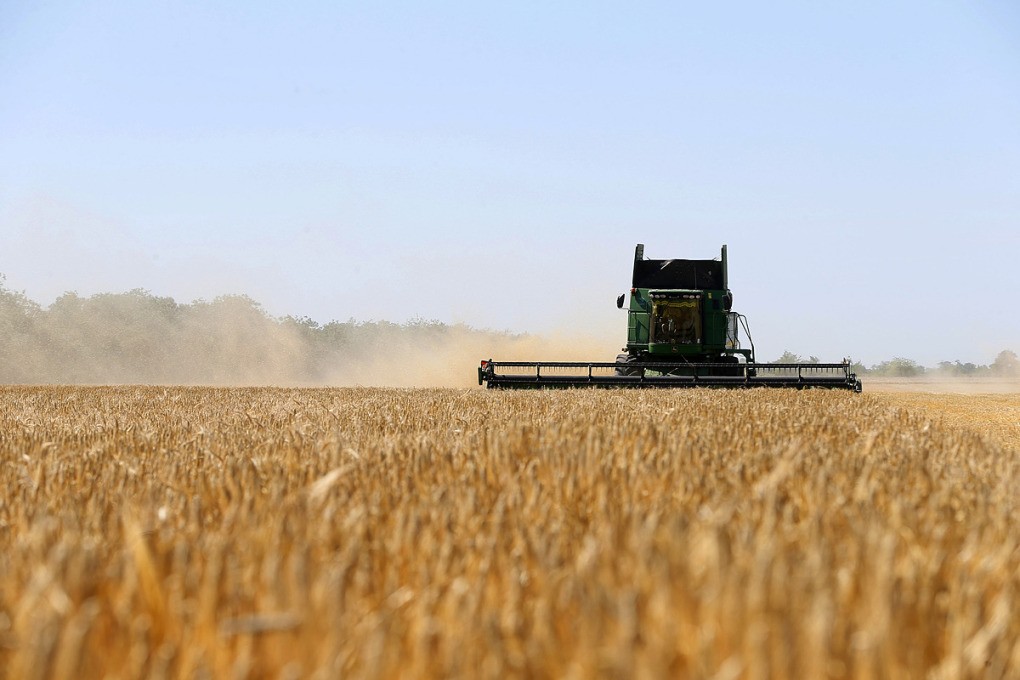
(195, 532)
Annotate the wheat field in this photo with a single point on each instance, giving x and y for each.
(150, 532)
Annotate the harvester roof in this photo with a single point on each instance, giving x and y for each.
(683, 274)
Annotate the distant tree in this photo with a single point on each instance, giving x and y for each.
(960, 369)
(303, 323)
(899, 367)
(859, 368)
(1007, 363)
(968, 368)
(789, 357)
(16, 310)
(19, 329)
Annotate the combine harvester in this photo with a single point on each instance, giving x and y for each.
(681, 332)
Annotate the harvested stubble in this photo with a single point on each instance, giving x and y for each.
(192, 532)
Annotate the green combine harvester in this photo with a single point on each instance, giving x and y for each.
(681, 332)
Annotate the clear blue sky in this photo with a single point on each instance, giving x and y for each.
(496, 163)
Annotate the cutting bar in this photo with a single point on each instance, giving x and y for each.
(565, 374)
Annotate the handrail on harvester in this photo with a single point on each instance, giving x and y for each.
(540, 374)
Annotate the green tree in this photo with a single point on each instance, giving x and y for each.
(789, 357)
(19, 336)
(899, 367)
(959, 369)
(1006, 364)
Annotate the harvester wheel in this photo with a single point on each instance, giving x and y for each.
(735, 370)
(625, 365)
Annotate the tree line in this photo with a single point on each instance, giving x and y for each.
(1005, 365)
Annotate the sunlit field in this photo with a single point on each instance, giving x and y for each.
(379, 533)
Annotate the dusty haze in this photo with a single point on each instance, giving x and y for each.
(136, 337)
(943, 385)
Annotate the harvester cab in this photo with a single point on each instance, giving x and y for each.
(681, 310)
(681, 332)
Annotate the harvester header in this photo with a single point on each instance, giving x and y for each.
(681, 332)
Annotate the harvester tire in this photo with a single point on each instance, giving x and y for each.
(735, 370)
(625, 365)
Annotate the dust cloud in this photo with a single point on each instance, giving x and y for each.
(452, 360)
(942, 385)
(139, 338)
